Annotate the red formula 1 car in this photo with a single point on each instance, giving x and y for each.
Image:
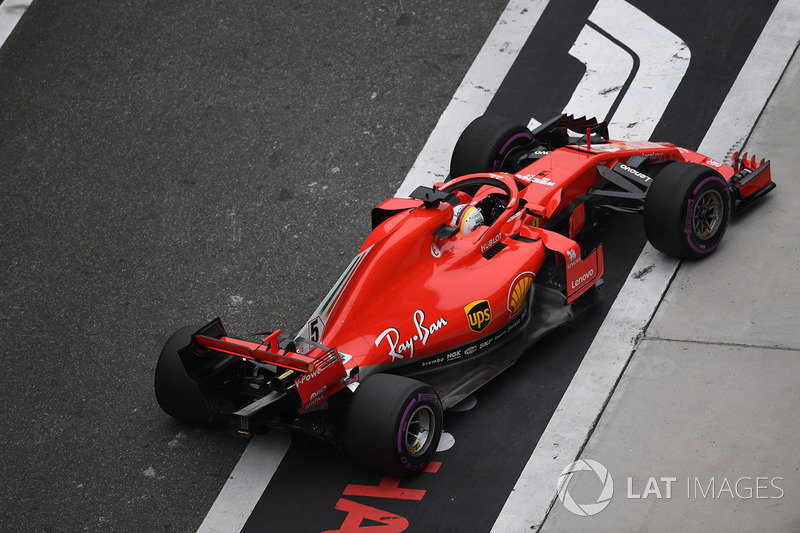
(453, 284)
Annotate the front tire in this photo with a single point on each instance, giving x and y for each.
(687, 210)
(393, 425)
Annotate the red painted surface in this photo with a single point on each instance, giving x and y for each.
(388, 489)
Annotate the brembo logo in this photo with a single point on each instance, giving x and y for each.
(479, 315)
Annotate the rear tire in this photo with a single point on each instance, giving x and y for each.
(485, 143)
(687, 210)
(393, 425)
(177, 394)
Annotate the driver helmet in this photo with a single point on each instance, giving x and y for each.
(466, 218)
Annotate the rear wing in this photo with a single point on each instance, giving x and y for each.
(213, 336)
(321, 375)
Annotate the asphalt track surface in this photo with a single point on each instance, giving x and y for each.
(163, 164)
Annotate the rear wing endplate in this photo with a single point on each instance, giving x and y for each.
(212, 336)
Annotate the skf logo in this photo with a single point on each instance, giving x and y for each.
(479, 315)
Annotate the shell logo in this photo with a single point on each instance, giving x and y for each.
(518, 292)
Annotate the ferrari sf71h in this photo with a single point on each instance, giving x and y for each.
(453, 284)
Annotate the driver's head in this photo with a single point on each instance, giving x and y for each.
(466, 218)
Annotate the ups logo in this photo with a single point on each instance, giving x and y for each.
(479, 315)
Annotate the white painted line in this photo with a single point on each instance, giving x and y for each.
(476, 91)
(591, 388)
(248, 480)
(608, 67)
(663, 61)
(533, 124)
(251, 477)
(755, 82)
(587, 394)
(10, 13)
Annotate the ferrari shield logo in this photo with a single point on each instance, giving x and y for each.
(479, 315)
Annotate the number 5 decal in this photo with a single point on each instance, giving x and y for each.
(315, 329)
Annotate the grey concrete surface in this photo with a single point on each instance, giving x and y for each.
(711, 394)
(748, 292)
(698, 413)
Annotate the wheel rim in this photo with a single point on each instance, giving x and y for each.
(417, 433)
(707, 215)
